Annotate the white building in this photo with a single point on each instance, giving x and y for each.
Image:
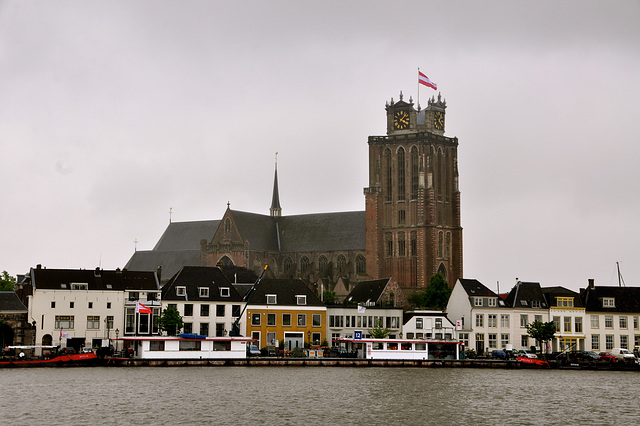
(79, 307)
(428, 325)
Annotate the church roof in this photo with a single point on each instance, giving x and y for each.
(187, 235)
(169, 260)
(258, 229)
(323, 232)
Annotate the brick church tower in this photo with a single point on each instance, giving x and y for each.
(413, 201)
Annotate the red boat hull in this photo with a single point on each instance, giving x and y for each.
(59, 361)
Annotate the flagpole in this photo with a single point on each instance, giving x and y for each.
(418, 89)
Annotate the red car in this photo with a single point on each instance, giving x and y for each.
(607, 357)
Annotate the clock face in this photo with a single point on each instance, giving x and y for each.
(400, 120)
(438, 120)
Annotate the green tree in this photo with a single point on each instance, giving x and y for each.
(378, 332)
(541, 331)
(434, 296)
(329, 297)
(170, 321)
(6, 281)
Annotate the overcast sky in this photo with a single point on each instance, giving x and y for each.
(113, 112)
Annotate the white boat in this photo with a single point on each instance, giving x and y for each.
(178, 348)
(401, 349)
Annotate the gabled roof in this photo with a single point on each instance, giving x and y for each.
(523, 293)
(169, 260)
(9, 302)
(258, 229)
(475, 288)
(286, 291)
(96, 279)
(368, 291)
(195, 277)
(323, 232)
(627, 299)
(187, 235)
(550, 294)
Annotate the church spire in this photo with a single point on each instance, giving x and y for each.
(275, 209)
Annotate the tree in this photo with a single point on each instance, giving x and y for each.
(378, 332)
(434, 296)
(6, 281)
(170, 321)
(541, 331)
(329, 297)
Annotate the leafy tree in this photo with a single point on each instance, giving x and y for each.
(170, 321)
(542, 331)
(378, 332)
(434, 296)
(329, 297)
(6, 281)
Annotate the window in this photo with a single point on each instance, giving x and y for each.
(492, 320)
(316, 319)
(401, 175)
(53, 305)
(595, 321)
(301, 300)
(286, 320)
(304, 264)
(608, 321)
(220, 310)
(608, 341)
(220, 330)
(635, 323)
(255, 319)
(180, 291)
(203, 291)
(595, 342)
(130, 320)
(108, 305)
(414, 243)
(64, 322)
(90, 305)
(414, 167)
(623, 322)
(110, 322)
(624, 342)
(578, 325)
(419, 323)
(389, 243)
(323, 262)
(271, 320)
(93, 322)
(556, 324)
(492, 340)
(189, 345)
(504, 320)
(204, 310)
(188, 310)
(479, 320)
(302, 320)
(204, 328)
(608, 302)
(315, 338)
(492, 301)
(271, 338)
(438, 323)
(156, 345)
(535, 304)
(564, 302)
(188, 327)
(524, 320)
(235, 311)
(227, 225)
(342, 266)
(567, 324)
(537, 318)
(72, 305)
(152, 296)
(361, 265)
(524, 342)
(401, 245)
(504, 340)
(392, 346)
(272, 299)
(477, 301)
(402, 217)
(225, 292)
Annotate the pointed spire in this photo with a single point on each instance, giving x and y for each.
(275, 209)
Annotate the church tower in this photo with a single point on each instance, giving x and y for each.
(275, 210)
(413, 201)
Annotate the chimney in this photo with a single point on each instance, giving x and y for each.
(591, 283)
(159, 273)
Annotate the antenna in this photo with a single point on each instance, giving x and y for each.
(620, 279)
(135, 244)
(170, 213)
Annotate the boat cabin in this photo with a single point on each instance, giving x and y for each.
(401, 349)
(170, 347)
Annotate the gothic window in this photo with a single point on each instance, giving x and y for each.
(414, 243)
(227, 225)
(322, 263)
(401, 245)
(388, 239)
(447, 246)
(226, 261)
(304, 264)
(361, 264)
(287, 265)
(402, 217)
(401, 176)
(414, 173)
(342, 264)
(387, 175)
(440, 243)
(442, 271)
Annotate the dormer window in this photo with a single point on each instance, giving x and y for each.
(523, 302)
(181, 291)
(535, 303)
(302, 300)
(492, 301)
(225, 292)
(564, 302)
(203, 291)
(272, 299)
(477, 301)
(608, 302)
(79, 286)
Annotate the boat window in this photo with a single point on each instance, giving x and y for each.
(392, 346)
(221, 346)
(421, 346)
(190, 345)
(377, 346)
(156, 345)
(406, 346)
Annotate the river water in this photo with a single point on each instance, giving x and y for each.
(316, 395)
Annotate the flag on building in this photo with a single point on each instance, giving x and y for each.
(361, 309)
(64, 334)
(423, 79)
(141, 309)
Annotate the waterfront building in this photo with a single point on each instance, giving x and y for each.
(15, 328)
(410, 229)
(80, 307)
(206, 300)
(568, 315)
(527, 304)
(285, 312)
(612, 317)
(428, 325)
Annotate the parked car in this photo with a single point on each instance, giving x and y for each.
(499, 354)
(579, 356)
(623, 354)
(607, 357)
(252, 350)
(268, 351)
(525, 354)
(67, 351)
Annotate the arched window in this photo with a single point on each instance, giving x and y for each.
(342, 264)
(304, 264)
(414, 243)
(288, 263)
(442, 271)
(388, 241)
(227, 225)
(447, 245)
(47, 340)
(440, 243)
(361, 265)
(388, 175)
(401, 176)
(226, 261)
(414, 172)
(401, 245)
(323, 263)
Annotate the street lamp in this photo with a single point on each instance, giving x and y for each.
(309, 338)
(117, 333)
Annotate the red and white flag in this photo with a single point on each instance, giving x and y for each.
(64, 334)
(423, 79)
(141, 309)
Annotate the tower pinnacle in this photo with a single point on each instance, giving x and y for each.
(275, 210)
